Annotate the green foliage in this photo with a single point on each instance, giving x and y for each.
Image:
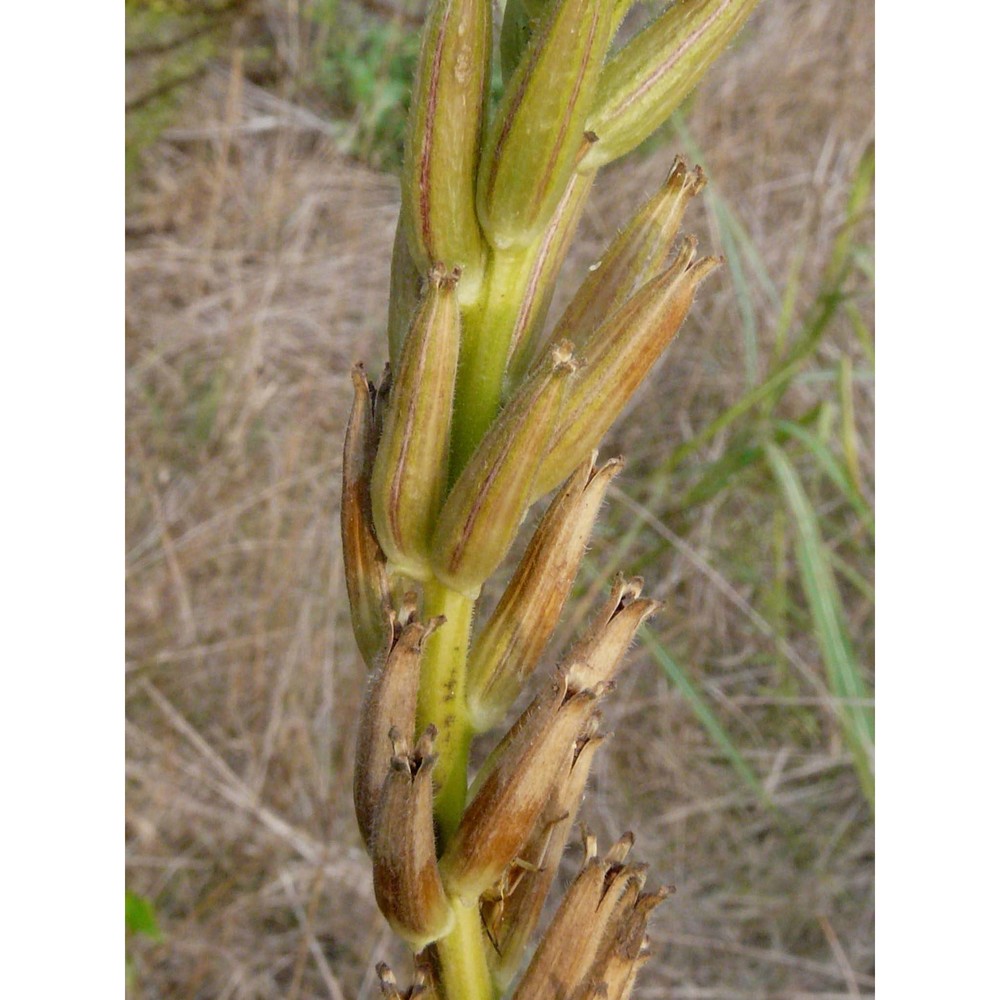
(140, 917)
(364, 67)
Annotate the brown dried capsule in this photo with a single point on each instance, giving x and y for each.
(364, 560)
(509, 646)
(408, 887)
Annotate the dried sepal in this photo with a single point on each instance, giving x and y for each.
(390, 990)
(486, 505)
(411, 465)
(509, 646)
(390, 702)
(408, 886)
(615, 359)
(598, 655)
(364, 560)
(646, 80)
(637, 254)
(442, 143)
(519, 782)
(511, 919)
(537, 136)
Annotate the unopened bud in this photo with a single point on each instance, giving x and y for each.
(503, 812)
(485, 508)
(443, 135)
(537, 136)
(411, 466)
(509, 646)
(390, 703)
(408, 887)
(638, 254)
(646, 80)
(599, 654)
(364, 561)
(616, 358)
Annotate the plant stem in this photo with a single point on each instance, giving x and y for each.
(442, 700)
(462, 958)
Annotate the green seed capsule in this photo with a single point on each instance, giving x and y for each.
(645, 82)
(617, 356)
(411, 466)
(538, 135)
(441, 153)
(485, 508)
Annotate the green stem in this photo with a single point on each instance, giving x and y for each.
(442, 700)
(462, 958)
(487, 329)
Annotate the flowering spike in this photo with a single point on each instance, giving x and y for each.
(411, 465)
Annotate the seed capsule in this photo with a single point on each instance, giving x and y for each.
(598, 655)
(364, 561)
(411, 465)
(638, 254)
(646, 80)
(408, 887)
(617, 356)
(504, 810)
(537, 136)
(508, 648)
(404, 295)
(443, 134)
(390, 703)
(511, 921)
(485, 508)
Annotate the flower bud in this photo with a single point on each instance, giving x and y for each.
(408, 887)
(511, 919)
(534, 142)
(485, 508)
(503, 812)
(617, 356)
(404, 294)
(364, 561)
(441, 153)
(589, 915)
(411, 465)
(390, 703)
(509, 646)
(598, 655)
(646, 80)
(638, 254)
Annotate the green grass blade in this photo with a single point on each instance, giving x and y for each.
(843, 669)
(678, 676)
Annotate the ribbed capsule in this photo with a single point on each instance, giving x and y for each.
(587, 918)
(637, 254)
(501, 817)
(509, 646)
(411, 465)
(616, 358)
(646, 80)
(390, 703)
(538, 136)
(511, 915)
(598, 655)
(441, 150)
(364, 561)
(408, 886)
(486, 505)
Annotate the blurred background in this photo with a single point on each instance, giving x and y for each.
(262, 137)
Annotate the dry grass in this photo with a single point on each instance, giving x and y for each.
(257, 272)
